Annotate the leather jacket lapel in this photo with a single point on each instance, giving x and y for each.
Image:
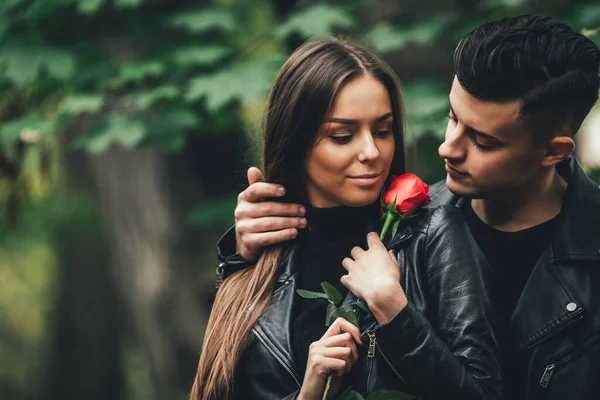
(273, 328)
(547, 305)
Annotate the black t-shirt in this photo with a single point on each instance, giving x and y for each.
(331, 235)
(512, 256)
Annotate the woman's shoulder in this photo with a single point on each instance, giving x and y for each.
(445, 219)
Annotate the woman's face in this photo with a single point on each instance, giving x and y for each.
(354, 147)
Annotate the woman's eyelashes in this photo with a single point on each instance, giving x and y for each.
(343, 138)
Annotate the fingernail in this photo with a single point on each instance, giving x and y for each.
(303, 222)
(293, 233)
(280, 190)
(302, 210)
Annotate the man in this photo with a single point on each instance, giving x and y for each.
(522, 88)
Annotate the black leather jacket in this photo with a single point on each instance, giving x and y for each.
(555, 328)
(442, 343)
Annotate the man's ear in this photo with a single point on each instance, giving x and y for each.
(558, 148)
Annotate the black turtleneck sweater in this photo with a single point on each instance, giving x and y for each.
(331, 234)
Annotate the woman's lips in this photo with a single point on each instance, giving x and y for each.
(366, 180)
(453, 172)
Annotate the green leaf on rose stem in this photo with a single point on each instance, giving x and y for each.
(350, 316)
(391, 395)
(350, 394)
(333, 294)
(363, 306)
(395, 227)
(392, 206)
(381, 202)
(307, 294)
(331, 314)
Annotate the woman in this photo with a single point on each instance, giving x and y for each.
(334, 135)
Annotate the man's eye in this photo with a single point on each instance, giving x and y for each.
(341, 139)
(482, 147)
(452, 118)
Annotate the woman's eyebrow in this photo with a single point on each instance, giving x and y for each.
(355, 122)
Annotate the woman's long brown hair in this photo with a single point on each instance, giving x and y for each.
(302, 96)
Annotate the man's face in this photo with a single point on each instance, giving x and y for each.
(488, 152)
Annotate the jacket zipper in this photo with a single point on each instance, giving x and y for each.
(283, 362)
(371, 354)
(550, 368)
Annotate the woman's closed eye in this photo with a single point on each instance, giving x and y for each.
(383, 132)
(342, 138)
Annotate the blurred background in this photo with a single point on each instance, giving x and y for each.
(126, 128)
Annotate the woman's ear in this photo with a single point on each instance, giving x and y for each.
(558, 148)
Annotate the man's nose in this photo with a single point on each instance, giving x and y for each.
(453, 145)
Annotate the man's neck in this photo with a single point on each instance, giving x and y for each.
(529, 206)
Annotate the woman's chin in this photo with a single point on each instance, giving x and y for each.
(362, 201)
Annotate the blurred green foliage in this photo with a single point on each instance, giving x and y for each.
(155, 73)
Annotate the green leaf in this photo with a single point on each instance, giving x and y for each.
(350, 394)
(201, 21)
(168, 129)
(589, 15)
(350, 316)
(200, 55)
(333, 295)
(21, 63)
(246, 83)
(395, 227)
(386, 38)
(78, 103)
(391, 395)
(128, 3)
(114, 130)
(503, 3)
(331, 314)
(89, 7)
(426, 107)
(143, 100)
(35, 123)
(362, 305)
(307, 294)
(318, 20)
(138, 71)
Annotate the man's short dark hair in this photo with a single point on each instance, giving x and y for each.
(543, 63)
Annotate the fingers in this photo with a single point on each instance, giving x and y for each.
(324, 365)
(247, 209)
(339, 346)
(347, 263)
(262, 239)
(356, 252)
(373, 240)
(343, 340)
(258, 190)
(340, 325)
(255, 175)
(393, 256)
(269, 224)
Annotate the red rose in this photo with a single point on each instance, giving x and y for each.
(410, 193)
(405, 195)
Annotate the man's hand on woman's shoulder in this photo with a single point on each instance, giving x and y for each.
(260, 223)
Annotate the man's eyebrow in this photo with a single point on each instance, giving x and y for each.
(475, 131)
(355, 122)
